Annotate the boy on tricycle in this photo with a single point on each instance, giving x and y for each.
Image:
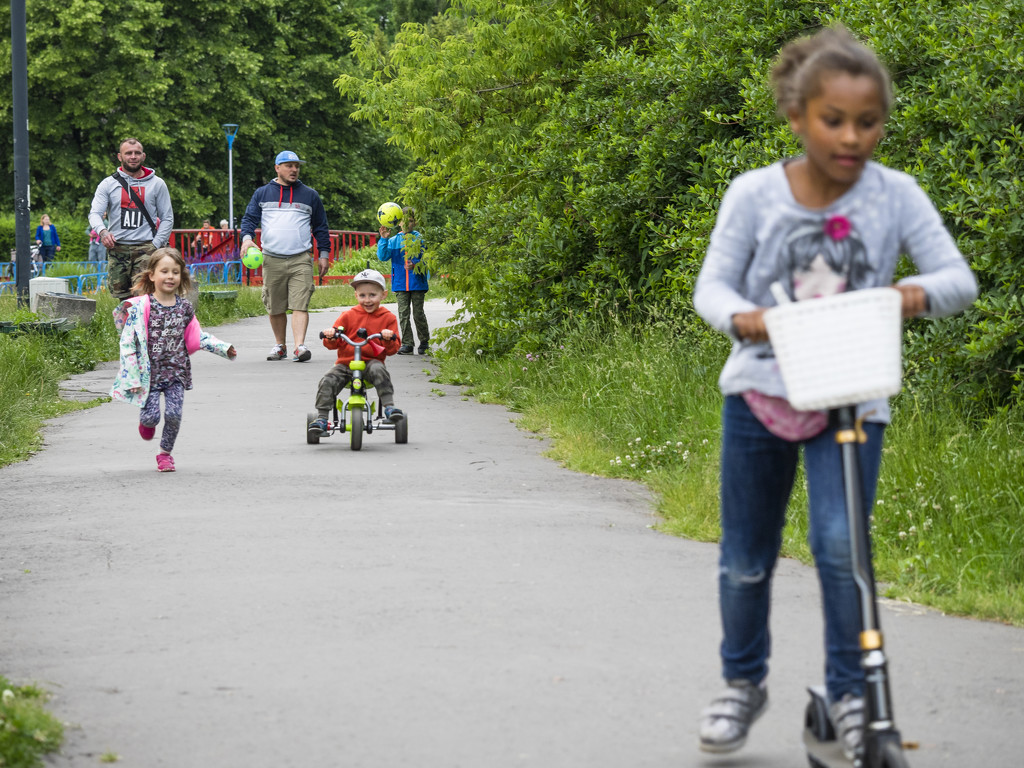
(368, 314)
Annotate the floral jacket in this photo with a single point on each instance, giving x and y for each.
(131, 317)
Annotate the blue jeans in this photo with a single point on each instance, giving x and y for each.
(757, 472)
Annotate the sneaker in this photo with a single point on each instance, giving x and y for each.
(278, 352)
(393, 414)
(405, 349)
(318, 427)
(164, 462)
(725, 722)
(847, 716)
(146, 432)
(424, 349)
(301, 354)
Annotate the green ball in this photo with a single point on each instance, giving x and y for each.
(253, 258)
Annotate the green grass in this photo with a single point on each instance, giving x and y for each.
(644, 404)
(33, 365)
(27, 730)
(68, 269)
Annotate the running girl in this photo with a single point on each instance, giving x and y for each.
(159, 331)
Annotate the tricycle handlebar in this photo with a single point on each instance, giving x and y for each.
(361, 332)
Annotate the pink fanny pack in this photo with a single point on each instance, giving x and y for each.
(782, 419)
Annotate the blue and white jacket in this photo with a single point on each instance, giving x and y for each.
(406, 273)
(288, 215)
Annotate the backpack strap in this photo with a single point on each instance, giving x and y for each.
(135, 199)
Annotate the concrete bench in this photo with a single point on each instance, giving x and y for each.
(77, 309)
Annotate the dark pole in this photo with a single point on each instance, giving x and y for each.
(19, 78)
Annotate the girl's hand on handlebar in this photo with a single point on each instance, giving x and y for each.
(750, 326)
(327, 333)
(915, 300)
(387, 334)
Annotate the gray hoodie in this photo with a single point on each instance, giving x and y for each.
(126, 223)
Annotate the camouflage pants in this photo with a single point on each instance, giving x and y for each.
(123, 263)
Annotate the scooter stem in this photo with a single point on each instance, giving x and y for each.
(849, 435)
(879, 726)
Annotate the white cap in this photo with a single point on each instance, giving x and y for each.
(370, 276)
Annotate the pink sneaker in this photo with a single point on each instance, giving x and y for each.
(146, 432)
(164, 462)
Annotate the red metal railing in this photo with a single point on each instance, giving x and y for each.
(200, 246)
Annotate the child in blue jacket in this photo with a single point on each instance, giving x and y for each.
(408, 279)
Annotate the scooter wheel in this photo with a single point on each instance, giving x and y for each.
(817, 722)
(893, 757)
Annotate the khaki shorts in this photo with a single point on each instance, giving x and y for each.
(287, 283)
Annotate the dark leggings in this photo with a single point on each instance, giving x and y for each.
(174, 400)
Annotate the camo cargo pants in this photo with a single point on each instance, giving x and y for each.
(123, 262)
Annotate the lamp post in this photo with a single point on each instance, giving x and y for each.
(19, 86)
(230, 129)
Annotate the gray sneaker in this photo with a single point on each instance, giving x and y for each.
(725, 722)
(847, 716)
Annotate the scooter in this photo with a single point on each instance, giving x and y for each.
(883, 747)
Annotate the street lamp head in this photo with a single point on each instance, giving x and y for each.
(230, 129)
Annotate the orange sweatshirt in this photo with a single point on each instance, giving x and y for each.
(354, 318)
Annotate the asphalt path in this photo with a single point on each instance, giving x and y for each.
(457, 601)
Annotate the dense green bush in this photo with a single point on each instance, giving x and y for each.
(578, 151)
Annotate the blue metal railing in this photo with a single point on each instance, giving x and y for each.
(94, 274)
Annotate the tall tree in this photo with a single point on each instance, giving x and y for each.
(170, 73)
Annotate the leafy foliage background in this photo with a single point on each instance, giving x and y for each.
(171, 72)
(570, 156)
(566, 156)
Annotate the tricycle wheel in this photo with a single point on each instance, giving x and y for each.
(311, 437)
(356, 425)
(402, 430)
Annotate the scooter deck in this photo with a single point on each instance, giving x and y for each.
(824, 754)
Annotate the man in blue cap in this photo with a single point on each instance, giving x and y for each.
(293, 225)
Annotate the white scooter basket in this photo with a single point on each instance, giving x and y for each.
(838, 350)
